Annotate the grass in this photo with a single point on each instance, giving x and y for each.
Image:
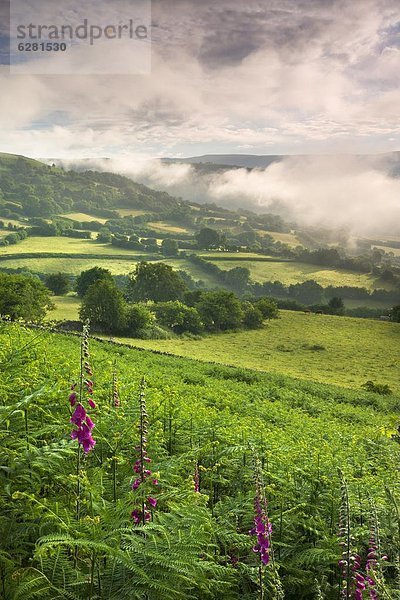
(355, 350)
(168, 227)
(130, 212)
(396, 251)
(296, 272)
(67, 307)
(63, 245)
(83, 217)
(286, 238)
(71, 265)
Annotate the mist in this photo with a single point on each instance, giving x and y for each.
(353, 192)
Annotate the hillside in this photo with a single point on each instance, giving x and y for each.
(337, 350)
(69, 521)
(31, 188)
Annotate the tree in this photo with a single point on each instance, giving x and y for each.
(208, 238)
(58, 283)
(169, 247)
(104, 306)
(268, 308)
(178, 317)
(138, 317)
(155, 281)
(336, 306)
(237, 278)
(396, 313)
(220, 311)
(252, 317)
(104, 236)
(87, 278)
(23, 297)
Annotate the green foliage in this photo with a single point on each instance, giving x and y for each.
(178, 317)
(23, 296)
(268, 308)
(58, 283)
(104, 306)
(396, 313)
(155, 281)
(87, 278)
(252, 316)
(138, 318)
(197, 544)
(378, 388)
(208, 238)
(220, 311)
(170, 247)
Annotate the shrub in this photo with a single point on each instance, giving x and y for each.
(252, 317)
(178, 317)
(138, 317)
(378, 388)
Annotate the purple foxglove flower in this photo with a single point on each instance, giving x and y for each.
(78, 416)
(152, 501)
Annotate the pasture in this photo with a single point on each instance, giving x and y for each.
(338, 350)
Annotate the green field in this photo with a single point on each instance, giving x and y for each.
(72, 265)
(63, 245)
(297, 272)
(130, 212)
(67, 308)
(355, 350)
(166, 227)
(83, 217)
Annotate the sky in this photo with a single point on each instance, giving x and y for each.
(255, 76)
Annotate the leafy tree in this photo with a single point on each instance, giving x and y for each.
(252, 317)
(396, 313)
(179, 317)
(87, 278)
(138, 317)
(104, 236)
(220, 311)
(268, 308)
(104, 306)
(12, 238)
(58, 283)
(237, 278)
(155, 281)
(23, 297)
(336, 306)
(309, 292)
(208, 238)
(170, 247)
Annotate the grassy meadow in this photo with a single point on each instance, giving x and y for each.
(290, 272)
(337, 350)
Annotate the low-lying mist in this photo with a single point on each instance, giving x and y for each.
(355, 192)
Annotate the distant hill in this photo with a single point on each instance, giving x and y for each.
(250, 161)
(389, 161)
(30, 188)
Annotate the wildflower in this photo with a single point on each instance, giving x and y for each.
(115, 394)
(142, 515)
(80, 418)
(262, 526)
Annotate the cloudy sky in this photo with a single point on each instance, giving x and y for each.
(254, 76)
